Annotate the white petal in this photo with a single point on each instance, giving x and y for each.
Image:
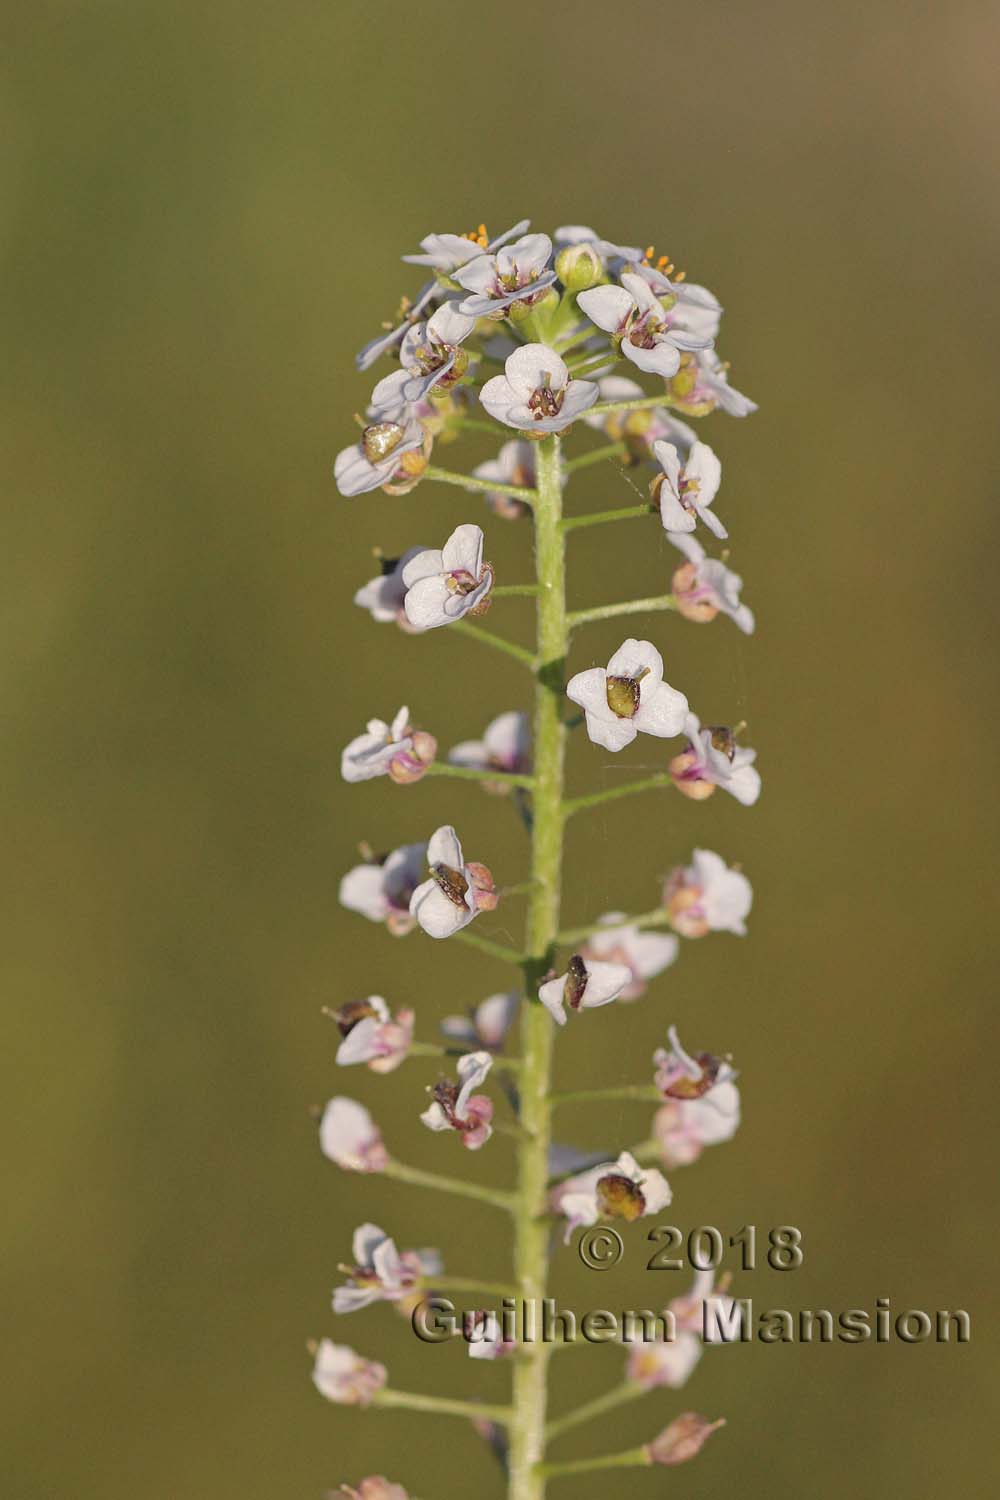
(656, 1190)
(494, 1016)
(612, 733)
(448, 325)
(386, 1262)
(508, 738)
(744, 783)
(633, 657)
(605, 983)
(712, 521)
(534, 365)
(661, 712)
(607, 306)
(353, 474)
(367, 1238)
(470, 753)
(652, 952)
(358, 1045)
(580, 396)
(498, 396)
(444, 848)
(551, 994)
(426, 603)
(663, 359)
(426, 564)
(472, 1071)
(348, 1299)
(363, 890)
(463, 549)
(435, 1118)
(589, 689)
(436, 913)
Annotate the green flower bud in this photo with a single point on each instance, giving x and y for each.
(579, 267)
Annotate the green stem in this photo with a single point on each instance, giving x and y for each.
(470, 773)
(629, 607)
(486, 945)
(401, 1173)
(489, 486)
(602, 517)
(639, 403)
(442, 1405)
(632, 1458)
(596, 1408)
(531, 1227)
(513, 590)
(595, 456)
(644, 1091)
(487, 638)
(656, 918)
(474, 424)
(612, 793)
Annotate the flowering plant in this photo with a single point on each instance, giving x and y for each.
(524, 336)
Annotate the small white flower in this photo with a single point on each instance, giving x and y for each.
(715, 759)
(628, 696)
(637, 321)
(375, 1487)
(383, 596)
(349, 1136)
(514, 464)
(443, 586)
(505, 746)
(457, 1107)
(704, 587)
(431, 358)
(381, 888)
(618, 1190)
(456, 891)
(707, 896)
(536, 393)
(370, 1035)
(487, 1025)
(447, 253)
(380, 1273)
(584, 986)
(345, 1377)
(704, 385)
(692, 308)
(644, 954)
(482, 1334)
(703, 1102)
(516, 273)
(388, 454)
(672, 1363)
(684, 494)
(395, 750)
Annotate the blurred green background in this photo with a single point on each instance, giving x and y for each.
(201, 213)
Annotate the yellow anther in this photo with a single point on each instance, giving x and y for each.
(478, 236)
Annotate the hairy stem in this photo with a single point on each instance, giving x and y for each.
(402, 1173)
(602, 517)
(443, 1405)
(490, 486)
(470, 773)
(612, 793)
(595, 456)
(643, 1091)
(618, 1396)
(487, 638)
(628, 607)
(632, 1458)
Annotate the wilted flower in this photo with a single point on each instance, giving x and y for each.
(383, 596)
(505, 747)
(715, 759)
(389, 455)
(446, 253)
(645, 331)
(380, 1273)
(431, 358)
(482, 1333)
(487, 1025)
(516, 273)
(614, 1190)
(456, 891)
(381, 889)
(584, 986)
(443, 586)
(371, 1035)
(349, 1136)
(703, 1102)
(514, 464)
(684, 494)
(628, 696)
(375, 1487)
(703, 587)
(707, 896)
(702, 384)
(683, 1439)
(456, 1107)
(644, 954)
(536, 393)
(345, 1377)
(395, 750)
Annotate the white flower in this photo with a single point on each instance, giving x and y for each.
(703, 587)
(456, 1107)
(618, 1190)
(645, 954)
(430, 356)
(370, 1035)
(514, 464)
(446, 253)
(456, 891)
(639, 430)
(707, 896)
(685, 494)
(388, 454)
(628, 696)
(487, 1025)
(349, 1136)
(383, 596)
(381, 888)
(536, 393)
(703, 1102)
(639, 324)
(691, 307)
(516, 273)
(584, 986)
(715, 759)
(409, 314)
(704, 385)
(395, 750)
(505, 746)
(482, 1334)
(672, 1363)
(345, 1377)
(608, 252)
(380, 1273)
(443, 586)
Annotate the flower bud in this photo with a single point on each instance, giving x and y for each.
(486, 896)
(683, 1439)
(683, 773)
(683, 902)
(411, 764)
(579, 267)
(690, 595)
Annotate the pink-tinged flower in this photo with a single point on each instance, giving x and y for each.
(375, 1487)
(645, 954)
(683, 1439)
(383, 596)
(505, 746)
(443, 586)
(638, 430)
(685, 492)
(371, 1035)
(514, 464)
(704, 587)
(702, 384)
(715, 759)
(613, 1190)
(382, 888)
(381, 1273)
(396, 750)
(447, 253)
(349, 1136)
(431, 357)
(647, 333)
(389, 455)
(516, 273)
(535, 393)
(481, 1331)
(703, 1103)
(456, 1107)
(485, 1028)
(628, 696)
(707, 896)
(672, 1361)
(345, 1377)
(584, 986)
(456, 891)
